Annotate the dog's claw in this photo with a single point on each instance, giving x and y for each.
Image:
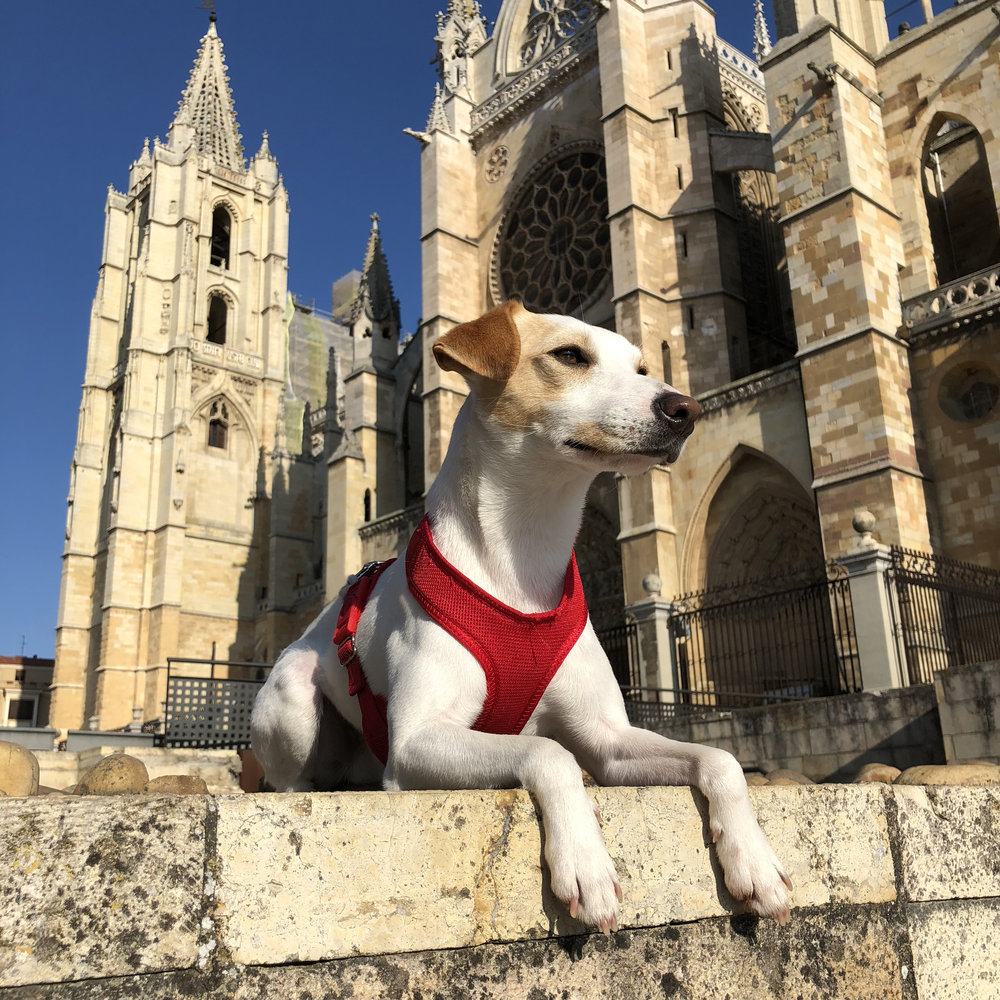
(574, 907)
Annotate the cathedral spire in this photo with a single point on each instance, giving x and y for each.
(206, 116)
(761, 39)
(375, 295)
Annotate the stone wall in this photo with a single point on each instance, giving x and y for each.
(826, 739)
(969, 705)
(407, 895)
(219, 769)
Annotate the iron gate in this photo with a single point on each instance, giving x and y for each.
(765, 642)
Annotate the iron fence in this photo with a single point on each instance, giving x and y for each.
(765, 642)
(946, 612)
(211, 711)
(621, 643)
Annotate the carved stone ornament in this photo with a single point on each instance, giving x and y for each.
(551, 22)
(496, 164)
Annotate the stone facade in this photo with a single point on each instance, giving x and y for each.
(829, 385)
(24, 690)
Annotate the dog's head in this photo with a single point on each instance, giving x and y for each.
(582, 390)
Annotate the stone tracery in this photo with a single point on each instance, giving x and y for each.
(551, 22)
(554, 247)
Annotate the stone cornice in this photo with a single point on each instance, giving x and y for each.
(749, 387)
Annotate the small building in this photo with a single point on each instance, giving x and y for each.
(24, 691)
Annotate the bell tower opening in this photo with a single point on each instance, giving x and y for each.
(222, 227)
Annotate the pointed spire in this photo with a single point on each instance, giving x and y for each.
(761, 39)
(437, 121)
(375, 295)
(206, 116)
(264, 153)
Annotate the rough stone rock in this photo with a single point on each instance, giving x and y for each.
(785, 777)
(117, 774)
(755, 778)
(177, 784)
(950, 774)
(18, 770)
(885, 773)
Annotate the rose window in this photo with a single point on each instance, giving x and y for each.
(555, 245)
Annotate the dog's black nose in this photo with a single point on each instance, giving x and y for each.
(682, 411)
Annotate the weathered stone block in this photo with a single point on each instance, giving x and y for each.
(956, 949)
(99, 887)
(846, 953)
(949, 840)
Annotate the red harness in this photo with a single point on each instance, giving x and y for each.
(519, 653)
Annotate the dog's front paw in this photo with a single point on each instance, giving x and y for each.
(753, 873)
(584, 879)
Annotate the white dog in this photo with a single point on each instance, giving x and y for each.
(552, 403)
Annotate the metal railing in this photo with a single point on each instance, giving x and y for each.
(205, 710)
(946, 613)
(764, 642)
(621, 643)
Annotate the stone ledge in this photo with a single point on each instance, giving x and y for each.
(240, 889)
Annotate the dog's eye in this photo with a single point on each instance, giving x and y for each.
(570, 356)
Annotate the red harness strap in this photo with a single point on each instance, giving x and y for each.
(373, 706)
(519, 653)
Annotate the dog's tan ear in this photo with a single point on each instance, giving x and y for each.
(489, 346)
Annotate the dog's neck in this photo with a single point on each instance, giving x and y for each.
(504, 514)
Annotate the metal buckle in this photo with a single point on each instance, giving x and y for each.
(352, 655)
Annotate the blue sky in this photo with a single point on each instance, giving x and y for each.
(82, 84)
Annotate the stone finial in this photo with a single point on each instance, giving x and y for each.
(652, 584)
(437, 121)
(460, 31)
(863, 523)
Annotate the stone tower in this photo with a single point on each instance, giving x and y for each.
(182, 399)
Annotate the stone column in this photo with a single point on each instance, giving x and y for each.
(657, 663)
(879, 655)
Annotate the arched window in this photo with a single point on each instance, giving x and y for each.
(961, 210)
(218, 314)
(222, 227)
(218, 425)
(368, 505)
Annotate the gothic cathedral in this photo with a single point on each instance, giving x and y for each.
(805, 238)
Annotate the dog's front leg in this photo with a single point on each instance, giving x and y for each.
(442, 755)
(624, 755)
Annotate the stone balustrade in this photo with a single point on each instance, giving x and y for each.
(953, 304)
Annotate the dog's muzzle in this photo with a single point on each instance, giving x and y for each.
(680, 411)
